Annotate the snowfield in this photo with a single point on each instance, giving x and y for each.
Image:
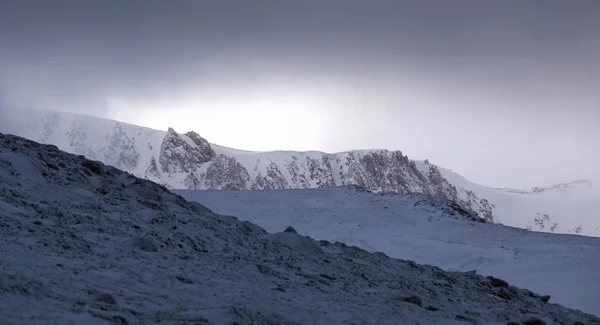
(415, 227)
(84, 243)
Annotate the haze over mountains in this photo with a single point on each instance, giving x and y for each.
(188, 161)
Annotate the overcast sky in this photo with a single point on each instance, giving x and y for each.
(506, 93)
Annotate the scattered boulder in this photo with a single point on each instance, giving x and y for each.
(93, 166)
(414, 300)
(530, 293)
(497, 283)
(534, 321)
(432, 308)
(297, 242)
(105, 298)
(515, 290)
(465, 319)
(145, 244)
(291, 230)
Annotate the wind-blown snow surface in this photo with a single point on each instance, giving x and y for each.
(409, 227)
(84, 243)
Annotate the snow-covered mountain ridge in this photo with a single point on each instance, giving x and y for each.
(85, 243)
(188, 161)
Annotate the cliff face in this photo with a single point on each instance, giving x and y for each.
(188, 161)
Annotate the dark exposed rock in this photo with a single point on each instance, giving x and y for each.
(497, 283)
(534, 321)
(414, 300)
(92, 166)
(466, 319)
(105, 298)
(290, 229)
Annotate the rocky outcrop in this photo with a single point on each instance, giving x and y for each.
(203, 148)
(383, 171)
(272, 180)
(321, 171)
(152, 172)
(177, 155)
(120, 150)
(225, 173)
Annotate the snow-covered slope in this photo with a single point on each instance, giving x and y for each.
(187, 161)
(84, 243)
(415, 228)
(572, 208)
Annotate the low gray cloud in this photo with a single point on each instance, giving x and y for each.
(503, 92)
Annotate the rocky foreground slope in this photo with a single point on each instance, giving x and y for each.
(84, 243)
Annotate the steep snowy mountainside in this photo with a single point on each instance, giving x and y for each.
(415, 228)
(125, 146)
(187, 161)
(85, 243)
(570, 208)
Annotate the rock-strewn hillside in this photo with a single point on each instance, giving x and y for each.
(85, 243)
